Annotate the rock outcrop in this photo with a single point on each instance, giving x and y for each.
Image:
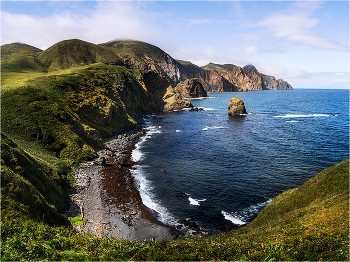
(236, 107)
(173, 101)
(190, 88)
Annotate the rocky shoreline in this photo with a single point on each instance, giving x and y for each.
(106, 197)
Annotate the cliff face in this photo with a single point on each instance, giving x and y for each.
(190, 88)
(231, 78)
(145, 57)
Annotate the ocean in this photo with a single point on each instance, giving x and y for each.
(220, 171)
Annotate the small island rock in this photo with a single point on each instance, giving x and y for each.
(236, 107)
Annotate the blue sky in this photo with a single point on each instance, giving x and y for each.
(303, 42)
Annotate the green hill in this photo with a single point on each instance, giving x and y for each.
(136, 49)
(17, 58)
(74, 53)
(212, 66)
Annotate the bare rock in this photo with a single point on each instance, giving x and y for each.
(236, 107)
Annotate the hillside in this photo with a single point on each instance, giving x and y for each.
(144, 56)
(306, 223)
(73, 53)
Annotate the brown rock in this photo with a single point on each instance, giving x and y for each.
(236, 107)
(190, 88)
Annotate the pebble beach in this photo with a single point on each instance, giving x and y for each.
(105, 195)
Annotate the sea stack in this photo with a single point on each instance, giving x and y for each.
(236, 107)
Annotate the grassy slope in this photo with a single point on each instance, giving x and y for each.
(65, 114)
(212, 66)
(75, 53)
(51, 121)
(306, 223)
(136, 50)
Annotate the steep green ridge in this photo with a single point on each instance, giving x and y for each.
(30, 187)
(211, 66)
(73, 53)
(136, 49)
(66, 115)
(18, 58)
(307, 223)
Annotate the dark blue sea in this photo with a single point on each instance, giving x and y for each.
(220, 171)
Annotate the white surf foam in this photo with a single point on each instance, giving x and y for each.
(241, 217)
(212, 127)
(233, 219)
(210, 109)
(195, 202)
(195, 98)
(307, 115)
(148, 199)
(143, 185)
(178, 131)
(136, 154)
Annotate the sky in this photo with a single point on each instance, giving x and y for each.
(303, 42)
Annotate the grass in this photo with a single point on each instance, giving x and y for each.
(64, 115)
(313, 227)
(75, 53)
(212, 66)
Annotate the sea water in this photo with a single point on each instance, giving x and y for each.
(220, 171)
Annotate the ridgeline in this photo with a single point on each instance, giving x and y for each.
(58, 106)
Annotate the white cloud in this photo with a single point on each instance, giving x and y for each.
(107, 21)
(295, 25)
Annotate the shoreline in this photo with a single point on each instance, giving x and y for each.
(106, 196)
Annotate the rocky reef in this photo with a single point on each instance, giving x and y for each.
(236, 107)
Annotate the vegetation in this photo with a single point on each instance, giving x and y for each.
(53, 120)
(136, 50)
(212, 66)
(74, 53)
(294, 226)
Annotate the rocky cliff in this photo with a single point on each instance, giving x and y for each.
(144, 56)
(231, 78)
(190, 88)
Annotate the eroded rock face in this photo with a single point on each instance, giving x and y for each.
(190, 88)
(236, 107)
(173, 101)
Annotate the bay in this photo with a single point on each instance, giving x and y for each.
(220, 171)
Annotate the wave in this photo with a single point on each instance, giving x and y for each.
(210, 109)
(195, 202)
(212, 127)
(242, 217)
(136, 154)
(232, 218)
(143, 185)
(148, 199)
(195, 98)
(307, 115)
